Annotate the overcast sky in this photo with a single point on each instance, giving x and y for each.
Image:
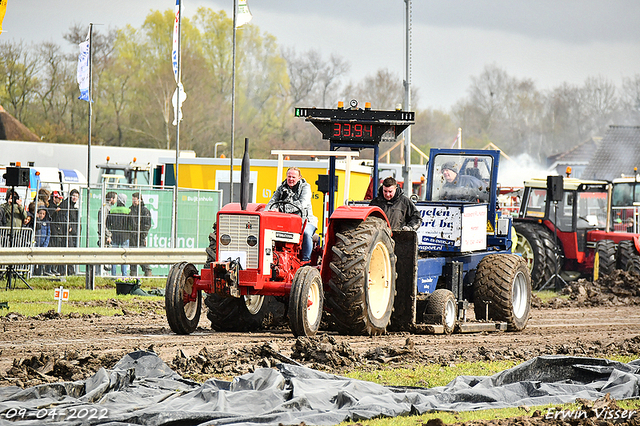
(548, 41)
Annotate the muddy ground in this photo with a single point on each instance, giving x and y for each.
(598, 319)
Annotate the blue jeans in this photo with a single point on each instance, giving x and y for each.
(307, 241)
(124, 268)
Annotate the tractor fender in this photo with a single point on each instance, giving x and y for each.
(341, 214)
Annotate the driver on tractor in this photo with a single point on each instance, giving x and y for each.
(294, 196)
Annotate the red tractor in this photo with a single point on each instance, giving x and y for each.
(577, 234)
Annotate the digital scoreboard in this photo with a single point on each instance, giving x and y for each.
(357, 126)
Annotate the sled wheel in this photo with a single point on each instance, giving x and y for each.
(245, 313)
(441, 310)
(183, 317)
(305, 302)
(363, 277)
(503, 284)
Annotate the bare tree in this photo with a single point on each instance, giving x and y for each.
(21, 67)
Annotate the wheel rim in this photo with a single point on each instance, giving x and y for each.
(313, 302)
(254, 303)
(379, 286)
(520, 295)
(450, 314)
(525, 249)
(190, 308)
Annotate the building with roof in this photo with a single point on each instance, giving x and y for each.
(12, 129)
(577, 158)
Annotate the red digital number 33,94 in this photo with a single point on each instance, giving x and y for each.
(355, 131)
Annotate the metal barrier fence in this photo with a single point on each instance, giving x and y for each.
(20, 238)
(151, 227)
(625, 219)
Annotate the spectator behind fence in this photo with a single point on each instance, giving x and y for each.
(141, 224)
(31, 214)
(70, 210)
(119, 223)
(58, 219)
(109, 202)
(42, 236)
(13, 210)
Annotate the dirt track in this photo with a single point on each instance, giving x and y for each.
(72, 348)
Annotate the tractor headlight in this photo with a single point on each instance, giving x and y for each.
(252, 240)
(225, 239)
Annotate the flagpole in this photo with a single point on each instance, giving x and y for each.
(90, 271)
(174, 228)
(233, 102)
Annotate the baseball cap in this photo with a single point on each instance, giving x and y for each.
(57, 194)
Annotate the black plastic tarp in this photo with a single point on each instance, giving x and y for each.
(142, 389)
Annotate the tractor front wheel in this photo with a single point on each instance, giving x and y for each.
(305, 302)
(604, 261)
(183, 317)
(363, 277)
(502, 289)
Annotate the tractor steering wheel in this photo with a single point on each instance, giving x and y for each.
(284, 203)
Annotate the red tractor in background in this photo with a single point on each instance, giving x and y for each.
(584, 243)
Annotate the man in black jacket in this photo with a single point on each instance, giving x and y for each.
(401, 212)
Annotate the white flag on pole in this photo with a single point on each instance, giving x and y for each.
(83, 70)
(178, 108)
(244, 14)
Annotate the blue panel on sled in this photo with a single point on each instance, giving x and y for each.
(429, 270)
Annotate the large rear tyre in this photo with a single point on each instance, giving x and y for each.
(538, 248)
(305, 302)
(441, 310)
(245, 313)
(626, 250)
(183, 317)
(503, 285)
(363, 277)
(604, 262)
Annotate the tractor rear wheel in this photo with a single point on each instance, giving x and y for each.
(305, 302)
(244, 313)
(363, 277)
(503, 284)
(538, 248)
(183, 317)
(626, 250)
(441, 310)
(604, 262)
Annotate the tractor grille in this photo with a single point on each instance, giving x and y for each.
(239, 227)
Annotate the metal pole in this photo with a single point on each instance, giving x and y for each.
(406, 168)
(89, 281)
(233, 103)
(174, 228)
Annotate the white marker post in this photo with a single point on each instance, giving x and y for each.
(60, 294)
